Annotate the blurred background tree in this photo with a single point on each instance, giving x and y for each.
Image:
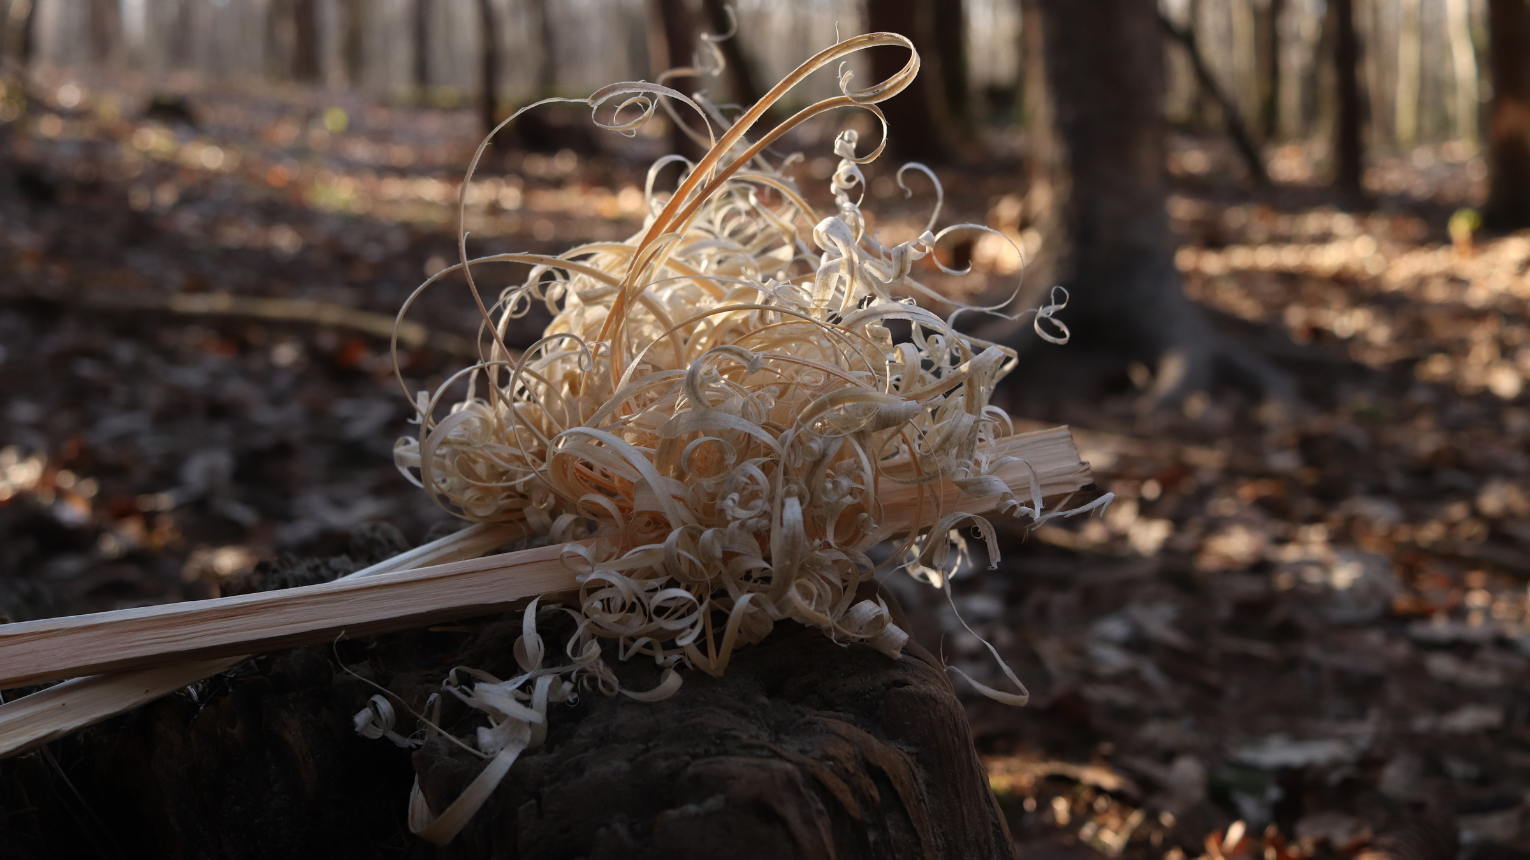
(1509, 123)
(1342, 74)
(1075, 105)
(1098, 186)
(922, 118)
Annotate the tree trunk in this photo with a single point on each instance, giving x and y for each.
(19, 41)
(105, 30)
(951, 49)
(1410, 43)
(488, 85)
(919, 119)
(354, 48)
(305, 46)
(1463, 61)
(1508, 136)
(802, 749)
(1268, 24)
(422, 48)
(672, 45)
(1348, 148)
(741, 74)
(1200, 106)
(547, 58)
(1099, 194)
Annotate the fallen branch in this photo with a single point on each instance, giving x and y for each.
(412, 335)
(37, 652)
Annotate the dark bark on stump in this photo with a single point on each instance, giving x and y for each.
(803, 749)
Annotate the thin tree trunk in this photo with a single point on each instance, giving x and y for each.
(741, 74)
(1508, 142)
(1375, 77)
(305, 47)
(1041, 129)
(951, 40)
(547, 57)
(1232, 117)
(1409, 72)
(19, 41)
(919, 116)
(1269, 68)
(105, 30)
(278, 27)
(1348, 148)
(1200, 108)
(674, 36)
(1245, 57)
(672, 45)
(354, 48)
(422, 47)
(1463, 61)
(488, 85)
(1299, 41)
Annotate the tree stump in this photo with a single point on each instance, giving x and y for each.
(803, 749)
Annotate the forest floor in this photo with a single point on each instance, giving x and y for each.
(1299, 631)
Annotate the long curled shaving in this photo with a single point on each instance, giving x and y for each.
(715, 409)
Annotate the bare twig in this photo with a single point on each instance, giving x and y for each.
(412, 335)
(1231, 116)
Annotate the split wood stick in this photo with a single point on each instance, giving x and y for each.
(66, 708)
(53, 649)
(1050, 453)
(35, 652)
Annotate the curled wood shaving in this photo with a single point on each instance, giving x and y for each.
(713, 413)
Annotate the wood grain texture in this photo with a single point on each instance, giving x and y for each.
(802, 749)
(63, 709)
(55, 649)
(39, 651)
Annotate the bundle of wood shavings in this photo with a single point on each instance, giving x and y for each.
(712, 417)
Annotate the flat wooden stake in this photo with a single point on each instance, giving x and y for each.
(63, 709)
(35, 652)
